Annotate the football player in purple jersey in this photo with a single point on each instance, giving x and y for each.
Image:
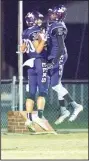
(34, 45)
(57, 56)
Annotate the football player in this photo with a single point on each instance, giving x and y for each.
(34, 45)
(57, 57)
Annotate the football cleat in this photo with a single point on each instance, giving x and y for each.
(29, 124)
(62, 117)
(41, 123)
(77, 110)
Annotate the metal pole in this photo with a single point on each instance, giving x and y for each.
(1, 25)
(20, 55)
(14, 93)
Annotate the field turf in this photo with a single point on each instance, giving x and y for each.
(50, 146)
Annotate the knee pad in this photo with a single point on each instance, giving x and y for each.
(61, 91)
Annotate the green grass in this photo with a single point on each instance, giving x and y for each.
(61, 146)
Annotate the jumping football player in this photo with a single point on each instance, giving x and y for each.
(57, 57)
(33, 45)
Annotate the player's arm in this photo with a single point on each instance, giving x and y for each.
(39, 46)
(23, 46)
(58, 32)
(40, 43)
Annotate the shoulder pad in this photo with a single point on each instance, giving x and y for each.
(60, 31)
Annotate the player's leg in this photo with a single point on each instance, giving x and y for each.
(56, 86)
(30, 101)
(63, 93)
(40, 105)
(41, 70)
(64, 112)
(77, 107)
(29, 109)
(43, 89)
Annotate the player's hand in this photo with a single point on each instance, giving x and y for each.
(43, 36)
(23, 48)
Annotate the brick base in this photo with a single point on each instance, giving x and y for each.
(16, 122)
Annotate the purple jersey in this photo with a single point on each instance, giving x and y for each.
(52, 40)
(29, 35)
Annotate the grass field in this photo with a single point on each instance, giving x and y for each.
(61, 146)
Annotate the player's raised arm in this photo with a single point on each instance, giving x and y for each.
(58, 32)
(40, 43)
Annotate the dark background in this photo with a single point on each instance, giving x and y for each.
(76, 66)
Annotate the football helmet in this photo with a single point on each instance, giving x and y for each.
(30, 19)
(34, 18)
(57, 13)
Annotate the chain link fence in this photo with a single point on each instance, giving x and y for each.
(77, 89)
